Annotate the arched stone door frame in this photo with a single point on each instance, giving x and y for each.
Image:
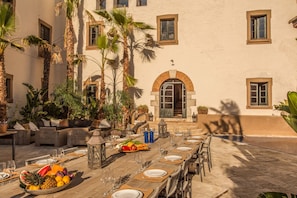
(172, 74)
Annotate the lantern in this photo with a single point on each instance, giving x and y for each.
(194, 117)
(162, 126)
(96, 151)
(151, 116)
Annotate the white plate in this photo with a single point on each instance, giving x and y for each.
(196, 137)
(192, 141)
(178, 134)
(121, 139)
(127, 193)
(3, 175)
(81, 152)
(184, 148)
(135, 135)
(154, 173)
(173, 157)
(45, 161)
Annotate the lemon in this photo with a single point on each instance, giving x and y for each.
(60, 183)
(33, 187)
(58, 178)
(66, 179)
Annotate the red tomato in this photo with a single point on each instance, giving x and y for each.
(125, 148)
(133, 148)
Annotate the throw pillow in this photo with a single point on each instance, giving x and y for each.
(46, 123)
(55, 122)
(33, 127)
(18, 126)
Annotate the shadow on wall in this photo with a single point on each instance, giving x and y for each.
(228, 122)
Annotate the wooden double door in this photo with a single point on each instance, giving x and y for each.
(173, 99)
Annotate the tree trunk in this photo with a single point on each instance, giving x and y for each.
(3, 112)
(69, 45)
(125, 64)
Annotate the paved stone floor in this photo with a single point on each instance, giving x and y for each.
(244, 170)
(240, 170)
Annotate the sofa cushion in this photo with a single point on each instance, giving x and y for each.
(18, 126)
(33, 127)
(46, 123)
(55, 122)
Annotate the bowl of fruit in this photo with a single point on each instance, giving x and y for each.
(48, 179)
(129, 146)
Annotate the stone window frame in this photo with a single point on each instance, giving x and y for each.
(88, 25)
(254, 13)
(167, 17)
(269, 92)
(46, 25)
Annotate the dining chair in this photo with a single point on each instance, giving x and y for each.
(171, 189)
(207, 151)
(35, 159)
(197, 162)
(185, 179)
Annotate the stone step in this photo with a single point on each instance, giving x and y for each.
(175, 125)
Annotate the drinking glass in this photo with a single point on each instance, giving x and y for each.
(60, 153)
(11, 166)
(105, 180)
(139, 160)
(2, 166)
(172, 140)
(161, 150)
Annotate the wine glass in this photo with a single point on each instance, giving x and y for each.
(161, 150)
(2, 166)
(11, 166)
(139, 160)
(107, 179)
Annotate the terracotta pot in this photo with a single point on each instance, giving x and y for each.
(3, 128)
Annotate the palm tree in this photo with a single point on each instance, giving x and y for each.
(123, 25)
(7, 27)
(106, 45)
(48, 54)
(70, 6)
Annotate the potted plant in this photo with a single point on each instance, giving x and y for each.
(202, 110)
(142, 109)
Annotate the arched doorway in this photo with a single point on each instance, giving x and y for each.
(173, 101)
(182, 91)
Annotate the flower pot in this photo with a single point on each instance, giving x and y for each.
(3, 128)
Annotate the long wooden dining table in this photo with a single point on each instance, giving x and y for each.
(89, 183)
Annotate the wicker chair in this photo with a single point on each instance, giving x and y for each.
(52, 136)
(78, 136)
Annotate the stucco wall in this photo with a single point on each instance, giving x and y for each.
(250, 125)
(27, 67)
(213, 52)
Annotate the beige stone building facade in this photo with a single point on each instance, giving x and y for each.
(231, 56)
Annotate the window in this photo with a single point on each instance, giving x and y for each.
(94, 29)
(259, 93)
(9, 86)
(92, 90)
(167, 29)
(121, 3)
(258, 26)
(45, 32)
(141, 2)
(100, 4)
